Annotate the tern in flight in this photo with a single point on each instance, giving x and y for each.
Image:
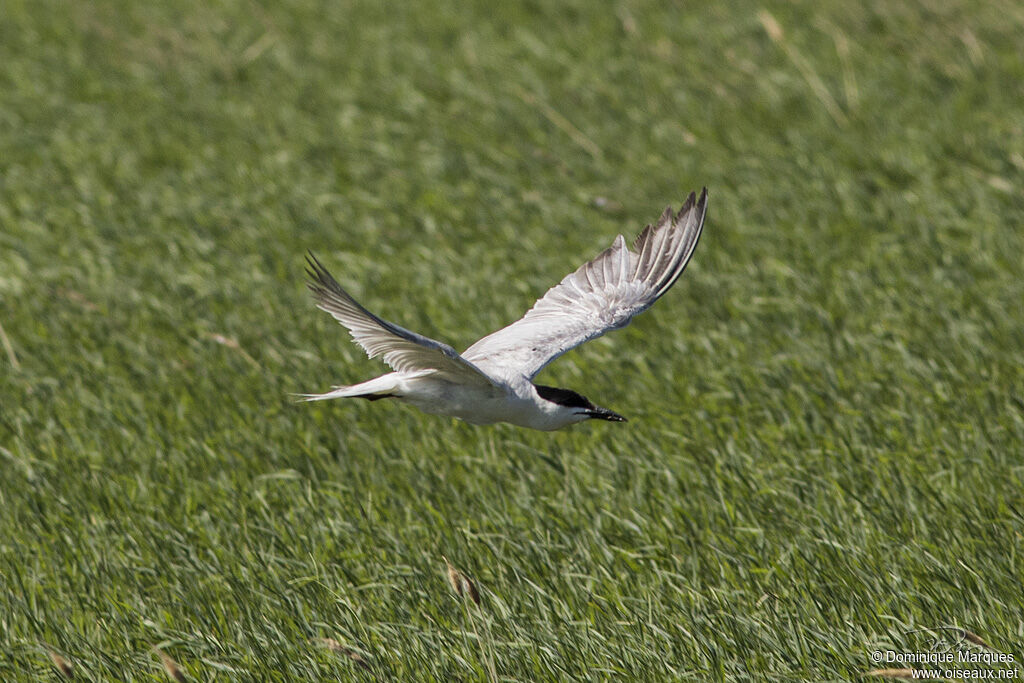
(492, 381)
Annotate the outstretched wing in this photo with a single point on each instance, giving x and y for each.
(405, 351)
(601, 295)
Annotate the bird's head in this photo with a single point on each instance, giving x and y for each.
(576, 405)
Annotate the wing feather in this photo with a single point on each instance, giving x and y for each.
(601, 295)
(405, 351)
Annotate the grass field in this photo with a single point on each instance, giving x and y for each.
(826, 437)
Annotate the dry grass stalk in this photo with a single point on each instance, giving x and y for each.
(170, 666)
(803, 65)
(975, 638)
(335, 646)
(78, 298)
(471, 590)
(454, 577)
(574, 133)
(11, 356)
(62, 664)
(973, 45)
(461, 584)
(233, 344)
(771, 26)
(331, 644)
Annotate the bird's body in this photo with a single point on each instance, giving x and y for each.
(517, 403)
(492, 381)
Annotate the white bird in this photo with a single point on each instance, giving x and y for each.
(492, 381)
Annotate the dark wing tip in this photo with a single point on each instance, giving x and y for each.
(314, 268)
(691, 199)
(317, 271)
(701, 210)
(321, 282)
(694, 210)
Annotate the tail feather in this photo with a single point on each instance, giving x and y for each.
(372, 390)
(344, 392)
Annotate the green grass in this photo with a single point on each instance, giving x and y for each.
(826, 414)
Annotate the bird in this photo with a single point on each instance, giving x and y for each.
(492, 380)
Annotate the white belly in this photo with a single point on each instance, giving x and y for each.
(475, 405)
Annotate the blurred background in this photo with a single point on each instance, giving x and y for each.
(826, 414)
